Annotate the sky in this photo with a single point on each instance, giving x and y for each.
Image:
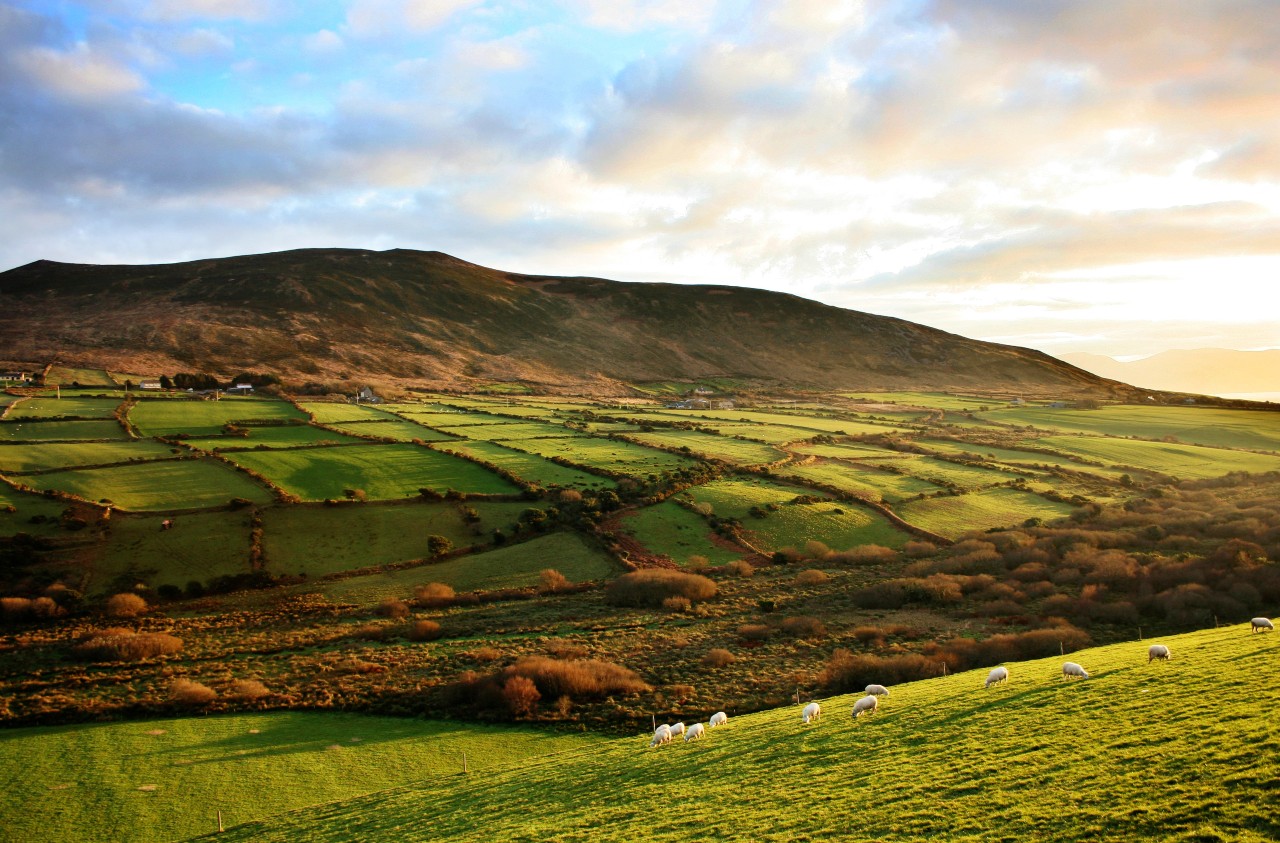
(1072, 176)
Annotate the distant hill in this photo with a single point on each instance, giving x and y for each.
(430, 318)
(1209, 371)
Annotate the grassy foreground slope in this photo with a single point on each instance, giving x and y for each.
(1168, 751)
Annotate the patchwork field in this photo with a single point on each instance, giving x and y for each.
(51, 431)
(274, 436)
(606, 454)
(1250, 429)
(952, 516)
(529, 467)
(169, 417)
(48, 407)
(401, 430)
(876, 484)
(156, 485)
(200, 546)
(671, 530)
(56, 455)
(1187, 461)
(709, 445)
(326, 412)
(68, 376)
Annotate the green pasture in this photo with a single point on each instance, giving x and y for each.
(1183, 461)
(25, 507)
(157, 780)
(511, 566)
(932, 400)
(529, 467)
(954, 515)
(878, 484)
(323, 540)
(606, 454)
(1138, 752)
(328, 412)
(670, 529)
(1257, 430)
(400, 430)
(840, 525)
(808, 425)
(49, 407)
(450, 418)
(384, 472)
(51, 431)
(156, 485)
(200, 546)
(510, 429)
(942, 472)
(1015, 457)
(773, 434)
(711, 446)
(850, 451)
(274, 436)
(56, 455)
(68, 375)
(194, 417)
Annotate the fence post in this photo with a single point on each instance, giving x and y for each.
(1139, 633)
(220, 829)
(464, 763)
(1061, 650)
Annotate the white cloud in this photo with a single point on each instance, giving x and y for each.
(79, 73)
(381, 18)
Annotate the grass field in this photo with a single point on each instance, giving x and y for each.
(942, 472)
(512, 566)
(1183, 461)
(314, 541)
(530, 467)
(1015, 457)
(728, 449)
(860, 480)
(952, 516)
(47, 431)
(1165, 751)
(67, 375)
(159, 417)
(674, 531)
(14, 458)
(815, 424)
(27, 506)
(509, 429)
(840, 525)
(200, 546)
(156, 780)
(150, 486)
(850, 451)
(326, 412)
(401, 430)
(933, 400)
(274, 436)
(384, 472)
(43, 407)
(1252, 429)
(606, 454)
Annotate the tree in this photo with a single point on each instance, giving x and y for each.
(165, 383)
(438, 545)
(520, 695)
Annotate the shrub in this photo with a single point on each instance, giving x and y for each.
(741, 568)
(677, 604)
(651, 586)
(424, 631)
(919, 549)
(393, 608)
(125, 605)
(521, 695)
(804, 627)
(190, 692)
(434, 594)
(846, 672)
(561, 649)
(438, 545)
(754, 632)
(718, 657)
(483, 655)
(576, 677)
(551, 581)
(872, 636)
(247, 689)
(811, 577)
(869, 554)
(126, 645)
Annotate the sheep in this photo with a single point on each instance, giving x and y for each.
(719, 719)
(695, 731)
(812, 712)
(661, 735)
(866, 705)
(999, 674)
(677, 730)
(1260, 625)
(1158, 651)
(878, 690)
(1070, 669)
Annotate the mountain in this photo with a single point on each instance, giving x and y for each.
(427, 317)
(1210, 371)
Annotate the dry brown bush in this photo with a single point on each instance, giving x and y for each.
(424, 631)
(393, 608)
(811, 577)
(190, 692)
(871, 636)
(697, 563)
(651, 586)
(358, 666)
(677, 604)
(247, 689)
(125, 605)
(434, 594)
(561, 649)
(570, 496)
(740, 568)
(551, 581)
(804, 627)
(846, 672)
(868, 554)
(577, 677)
(371, 632)
(718, 657)
(919, 549)
(521, 695)
(754, 632)
(484, 655)
(126, 645)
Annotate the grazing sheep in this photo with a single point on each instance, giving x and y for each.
(695, 731)
(1260, 625)
(999, 674)
(812, 712)
(719, 719)
(1158, 651)
(1071, 669)
(661, 735)
(866, 705)
(677, 730)
(878, 690)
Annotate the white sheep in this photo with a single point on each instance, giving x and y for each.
(812, 712)
(1070, 669)
(1260, 625)
(719, 719)
(661, 735)
(866, 705)
(677, 730)
(1158, 651)
(999, 674)
(878, 690)
(695, 731)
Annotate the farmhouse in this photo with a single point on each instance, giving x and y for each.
(368, 396)
(150, 386)
(16, 376)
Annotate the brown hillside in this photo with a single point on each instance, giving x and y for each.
(430, 318)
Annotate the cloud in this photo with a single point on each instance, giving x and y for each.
(80, 73)
(381, 18)
(181, 10)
